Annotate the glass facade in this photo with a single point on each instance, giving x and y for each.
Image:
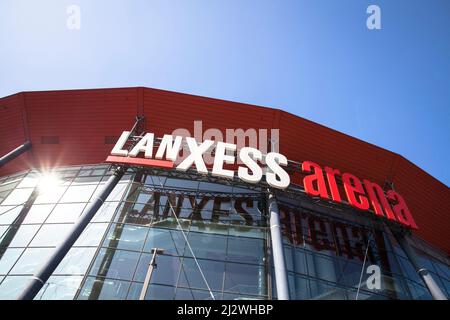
(215, 241)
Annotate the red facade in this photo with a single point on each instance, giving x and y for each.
(77, 126)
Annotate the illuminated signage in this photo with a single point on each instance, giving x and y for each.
(253, 166)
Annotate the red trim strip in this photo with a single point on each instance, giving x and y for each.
(140, 161)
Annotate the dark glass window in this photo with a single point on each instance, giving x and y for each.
(104, 289)
(117, 264)
(166, 272)
(123, 236)
(207, 246)
(171, 241)
(59, 288)
(212, 270)
(245, 250)
(243, 278)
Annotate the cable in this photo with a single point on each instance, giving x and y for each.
(189, 246)
(362, 269)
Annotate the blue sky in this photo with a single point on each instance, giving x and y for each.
(315, 59)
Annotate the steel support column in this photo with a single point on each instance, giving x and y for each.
(40, 277)
(277, 249)
(431, 285)
(15, 153)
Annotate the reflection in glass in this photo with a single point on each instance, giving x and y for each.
(66, 213)
(23, 235)
(50, 196)
(76, 261)
(59, 288)
(9, 213)
(92, 235)
(243, 278)
(50, 235)
(8, 258)
(171, 241)
(117, 264)
(78, 193)
(30, 260)
(12, 286)
(38, 213)
(104, 289)
(123, 236)
(18, 196)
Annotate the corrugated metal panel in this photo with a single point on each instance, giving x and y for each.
(12, 130)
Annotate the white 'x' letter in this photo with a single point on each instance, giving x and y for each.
(196, 155)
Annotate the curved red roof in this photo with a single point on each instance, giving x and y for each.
(84, 120)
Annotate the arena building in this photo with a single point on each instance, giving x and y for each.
(138, 193)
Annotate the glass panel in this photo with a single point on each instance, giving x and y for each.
(30, 181)
(245, 250)
(171, 241)
(189, 294)
(115, 264)
(30, 260)
(59, 288)
(8, 259)
(325, 291)
(23, 235)
(66, 213)
(128, 237)
(117, 193)
(92, 235)
(50, 196)
(18, 196)
(104, 289)
(212, 270)
(243, 231)
(324, 267)
(154, 292)
(78, 193)
(418, 292)
(50, 235)
(105, 212)
(301, 288)
(209, 227)
(244, 278)
(38, 213)
(233, 296)
(76, 261)
(9, 213)
(155, 180)
(180, 183)
(167, 271)
(207, 246)
(207, 186)
(86, 180)
(300, 261)
(11, 287)
(3, 232)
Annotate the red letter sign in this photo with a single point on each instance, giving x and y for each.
(376, 195)
(401, 210)
(308, 181)
(355, 192)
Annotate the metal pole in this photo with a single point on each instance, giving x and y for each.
(152, 265)
(40, 277)
(277, 249)
(15, 153)
(431, 285)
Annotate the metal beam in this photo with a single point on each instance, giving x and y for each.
(15, 153)
(277, 249)
(40, 277)
(152, 265)
(431, 285)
